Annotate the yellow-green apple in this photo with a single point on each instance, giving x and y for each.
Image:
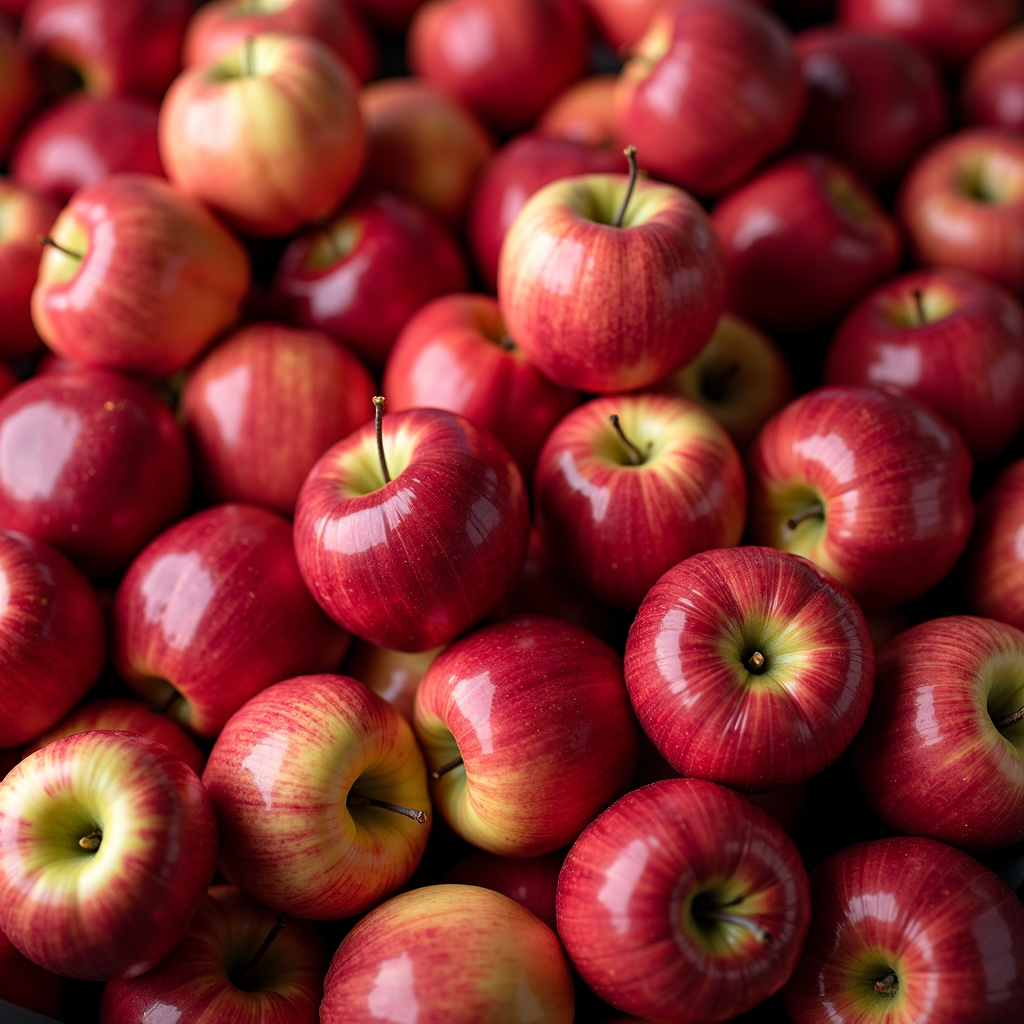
(411, 537)
(870, 486)
(947, 338)
(91, 462)
(749, 667)
(528, 732)
(321, 797)
(393, 675)
(213, 611)
(624, 22)
(582, 113)
(361, 276)
(26, 984)
(568, 281)
(962, 205)
(455, 354)
(140, 278)
(906, 931)
(453, 953)
(712, 89)
(238, 962)
(739, 376)
(684, 903)
(992, 86)
(108, 843)
(17, 84)
(804, 240)
(269, 133)
(995, 568)
(626, 486)
(265, 404)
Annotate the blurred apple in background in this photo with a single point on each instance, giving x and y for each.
(624, 22)
(583, 112)
(17, 84)
(992, 86)
(393, 675)
(25, 984)
(995, 568)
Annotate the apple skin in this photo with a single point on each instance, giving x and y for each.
(455, 354)
(200, 979)
(965, 359)
(613, 527)
(117, 912)
(393, 675)
(17, 84)
(684, 100)
(265, 404)
(453, 953)
(713, 718)
(158, 277)
(26, 984)
(280, 774)
(992, 86)
(361, 276)
(624, 22)
(91, 462)
(962, 205)
(947, 927)
(567, 282)
(995, 567)
(583, 113)
(538, 710)
(872, 101)
(892, 477)
(626, 896)
(413, 563)
(803, 240)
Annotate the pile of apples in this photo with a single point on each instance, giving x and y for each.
(488, 522)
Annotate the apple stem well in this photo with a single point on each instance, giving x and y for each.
(636, 457)
(448, 766)
(630, 153)
(817, 510)
(358, 800)
(714, 385)
(45, 240)
(378, 409)
(1005, 723)
(887, 985)
(92, 841)
(260, 953)
(705, 911)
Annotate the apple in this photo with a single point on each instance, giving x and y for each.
(15, 8)
(950, 340)
(7, 379)
(907, 930)
(624, 22)
(321, 797)
(388, 15)
(569, 272)
(626, 486)
(683, 903)
(138, 277)
(393, 675)
(96, 880)
(17, 84)
(362, 275)
(992, 86)
(583, 112)
(803, 241)
(411, 537)
(25, 984)
(455, 354)
(453, 953)
(528, 732)
(92, 463)
(871, 487)
(995, 568)
(962, 205)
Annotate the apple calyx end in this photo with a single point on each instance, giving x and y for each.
(887, 985)
(448, 766)
(91, 842)
(358, 800)
(815, 511)
(630, 154)
(636, 457)
(47, 240)
(378, 409)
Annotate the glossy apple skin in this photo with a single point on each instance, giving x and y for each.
(626, 893)
(17, 84)
(567, 282)
(119, 911)
(948, 928)
(363, 275)
(684, 99)
(453, 953)
(505, 59)
(26, 984)
(393, 675)
(280, 774)
(583, 112)
(199, 980)
(893, 479)
(538, 710)
(966, 361)
(216, 609)
(708, 715)
(91, 462)
(962, 205)
(803, 241)
(992, 86)
(590, 501)
(413, 563)
(872, 101)
(159, 277)
(455, 354)
(265, 404)
(995, 568)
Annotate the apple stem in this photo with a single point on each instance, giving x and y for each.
(755, 663)
(448, 766)
(630, 153)
(358, 800)
(919, 300)
(815, 510)
(761, 934)
(378, 408)
(887, 986)
(260, 953)
(250, 55)
(45, 240)
(636, 457)
(507, 344)
(92, 841)
(1017, 716)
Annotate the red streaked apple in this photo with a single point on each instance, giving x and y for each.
(992, 86)
(584, 113)
(870, 486)
(393, 675)
(684, 903)
(108, 842)
(26, 984)
(995, 566)
(17, 84)
(321, 796)
(453, 953)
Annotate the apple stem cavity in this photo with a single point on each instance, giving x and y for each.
(45, 240)
(888, 985)
(636, 457)
(358, 800)
(378, 408)
(762, 935)
(92, 841)
(449, 766)
(756, 663)
(507, 344)
(714, 385)
(260, 953)
(630, 154)
(1005, 723)
(817, 510)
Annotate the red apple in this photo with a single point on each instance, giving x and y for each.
(108, 843)
(92, 463)
(624, 22)
(17, 84)
(25, 984)
(388, 15)
(455, 354)
(947, 338)
(7, 379)
(16, 8)
(393, 675)
(992, 86)
(684, 903)
(995, 577)
(361, 276)
(584, 113)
